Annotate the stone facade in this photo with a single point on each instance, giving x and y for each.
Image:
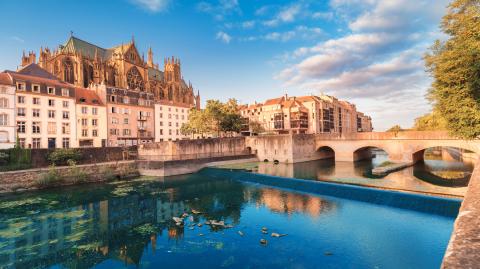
(306, 115)
(7, 112)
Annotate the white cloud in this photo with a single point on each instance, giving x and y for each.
(220, 9)
(224, 37)
(323, 15)
(152, 5)
(248, 24)
(377, 63)
(285, 15)
(17, 39)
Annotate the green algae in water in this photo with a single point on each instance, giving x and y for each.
(145, 229)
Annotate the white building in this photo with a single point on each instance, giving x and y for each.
(45, 109)
(91, 119)
(169, 118)
(7, 112)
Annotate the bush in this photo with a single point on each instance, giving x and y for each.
(77, 175)
(49, 178)
(62, 156)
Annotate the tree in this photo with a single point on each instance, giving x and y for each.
(395, 129)
(430, 122)
(231, 122)
(255, 127)
(455, 68)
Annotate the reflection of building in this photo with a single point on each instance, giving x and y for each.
(287, 202)
(7, 112)
(307, 114)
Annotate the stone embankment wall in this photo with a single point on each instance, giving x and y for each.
(30, 179)
(464, 247)
(193, 149)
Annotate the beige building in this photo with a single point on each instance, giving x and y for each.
(91, 119)
(169, 118)
(7, 112)
(45, 109)
(306, 114)
(130, 115)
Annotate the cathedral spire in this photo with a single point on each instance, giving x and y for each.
(150, 57)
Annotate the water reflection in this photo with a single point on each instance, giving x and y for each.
(434, 175)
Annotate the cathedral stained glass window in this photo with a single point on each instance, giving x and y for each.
(134, 79)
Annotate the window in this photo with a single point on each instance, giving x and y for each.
(160, 107)
(51, 114)
(84, 132)
(3, 119)
(21, 112)
(125, 100)
(94, 110)
(161, 115)
(177, 131)
(125, 121)
(183, 117)
(20, 86)
(52, 128)
(126, 132)
(161, 123)
(114, 131)
(65, 92)
(3, 102)
(114, 109)
(126, 111)
(65, 104)
(169, 116)
(35, 127)
(36, 113)
(65, 142)
(21, 99)
(94, 122)
(22, 142)
(84, 110)
(36, 101)
(94, 133)
(170, 123)
(114, 121)
(82, 100)
(51, 90)
(51, 102)
(161, 131)
(176, 116)
(66, 115)
(36, 143)
(84, 122)
(21, 127)
(35, 88)
(65, 128)
(113, 98)
(169, 109)
(170, 132)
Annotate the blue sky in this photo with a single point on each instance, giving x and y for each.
(366, 51)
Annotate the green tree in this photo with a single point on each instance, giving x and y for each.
(455, 68)
(231, 123)
(430, 122)
(255, 127)
(395, 129)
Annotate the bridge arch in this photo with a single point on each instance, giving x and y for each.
(325, 152)
(419, 153)
(367, 152)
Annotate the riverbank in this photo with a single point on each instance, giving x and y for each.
(41, 178)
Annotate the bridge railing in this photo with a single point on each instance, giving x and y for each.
(410, 135)
(193, 156)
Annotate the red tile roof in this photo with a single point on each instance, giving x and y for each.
(88, 97)
(275, 101)
(5, 79)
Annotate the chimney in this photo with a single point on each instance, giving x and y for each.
(286, 96)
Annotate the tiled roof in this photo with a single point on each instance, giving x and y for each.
(76, 45)
(88, 97)
(155, 74)
(5, 79)
(36, 71)
(275, 101)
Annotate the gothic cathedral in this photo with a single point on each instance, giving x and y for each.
(81, 63)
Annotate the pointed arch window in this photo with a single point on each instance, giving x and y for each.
(68, 71)
(134, 79)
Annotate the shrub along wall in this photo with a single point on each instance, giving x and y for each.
(87, 155)
(33, 179)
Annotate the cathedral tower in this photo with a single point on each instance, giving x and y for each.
(172, 69)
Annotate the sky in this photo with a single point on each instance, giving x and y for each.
(368, 52)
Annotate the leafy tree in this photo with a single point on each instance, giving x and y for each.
(455, 67)
(231, 122)
(255, 127)
(430, 122)
(395, 129)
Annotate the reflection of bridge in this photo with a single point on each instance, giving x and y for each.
(401, 147)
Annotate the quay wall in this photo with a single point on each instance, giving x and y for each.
(23, 180)
(463, 250)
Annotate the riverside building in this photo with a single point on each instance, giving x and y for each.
(91, 115)
(306, 115)
(7, 112)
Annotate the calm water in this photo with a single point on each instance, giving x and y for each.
(428, 176)
(129, 225)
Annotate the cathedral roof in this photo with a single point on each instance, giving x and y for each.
(76, 45)
(155, 74)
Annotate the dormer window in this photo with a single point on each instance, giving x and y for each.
(35, 88)
(65, 92)
(51, 90)
(82, 100)
(95, 101)
(20, 86)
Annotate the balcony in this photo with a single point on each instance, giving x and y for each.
(142, 118)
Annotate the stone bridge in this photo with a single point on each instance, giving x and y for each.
(400, 147)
